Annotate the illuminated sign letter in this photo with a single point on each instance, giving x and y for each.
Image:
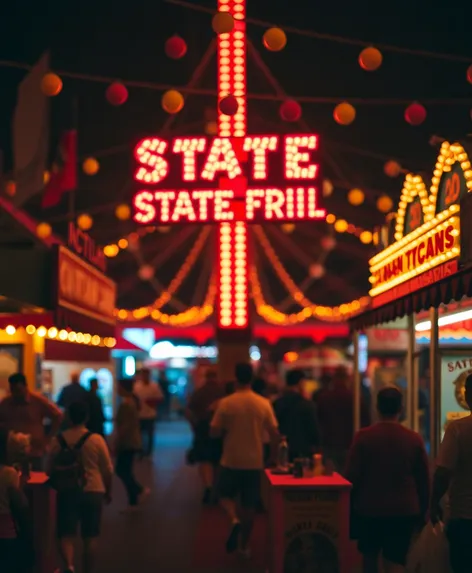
(153, 167)
(202, 198)
(164, 197)
(260, 146)
(189, 147)
(145, 210)
(274, 201)
(221, 157)
(253, 201)
(223, 206)
(294, 157)
(183, 208)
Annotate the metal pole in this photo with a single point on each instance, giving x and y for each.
(412, 379)
(356, 383)
(434, 384)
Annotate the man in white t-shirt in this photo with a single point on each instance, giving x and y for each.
(84, 510)
(150, 395)
(242, 420)
(453, 475)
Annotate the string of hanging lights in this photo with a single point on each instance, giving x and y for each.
(167, 294)
(274, 316)
(190, 317)
(309, 309)
(368, 53)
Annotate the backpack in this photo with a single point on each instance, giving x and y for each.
(68, 472)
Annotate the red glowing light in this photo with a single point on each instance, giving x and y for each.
(235, 165)
(153, 167)
(202, 159)
(233, 311)
(215, 206)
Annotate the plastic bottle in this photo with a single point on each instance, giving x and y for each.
(282, 454)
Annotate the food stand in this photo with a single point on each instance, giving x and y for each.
(424, 265)
(308, 524)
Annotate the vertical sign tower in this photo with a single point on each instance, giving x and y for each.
(233, 313)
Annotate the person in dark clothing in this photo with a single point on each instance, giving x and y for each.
(167, 401)
(230, 388)
(96, 417)
(72, 392)
(259, 386)
(207, 450)
(335, 409)
(297, 418)
(388, 468)
(325, 382)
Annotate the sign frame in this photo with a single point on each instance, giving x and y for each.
(62, 301)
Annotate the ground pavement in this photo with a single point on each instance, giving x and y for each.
(161, 538)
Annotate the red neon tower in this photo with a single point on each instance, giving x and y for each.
(232, 242)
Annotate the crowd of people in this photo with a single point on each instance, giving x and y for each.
(67, 441)
(237, 430)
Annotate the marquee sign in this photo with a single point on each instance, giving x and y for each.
(83, 245)
(429, 250)
(83, 289)
(222, 179)
(427, 230)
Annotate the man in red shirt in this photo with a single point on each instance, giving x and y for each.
(388, 468)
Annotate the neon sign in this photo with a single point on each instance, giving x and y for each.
(241, 167)
(426, 252)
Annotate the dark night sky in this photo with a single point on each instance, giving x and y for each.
(125, 40)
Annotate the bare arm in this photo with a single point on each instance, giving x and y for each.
(106, 467)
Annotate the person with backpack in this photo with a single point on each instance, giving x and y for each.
(81, 471)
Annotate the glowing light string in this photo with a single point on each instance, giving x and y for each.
(331, 37)
(310, 309)
(167, 294)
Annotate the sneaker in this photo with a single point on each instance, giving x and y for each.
(233, 537)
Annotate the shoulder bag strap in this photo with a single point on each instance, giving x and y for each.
(82, 441)
(62, 442)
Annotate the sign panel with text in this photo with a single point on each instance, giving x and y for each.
(423, 253)
(84, 289)
(215, 180)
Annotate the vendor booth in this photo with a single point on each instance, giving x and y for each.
(56, 308)
(423, 275)
(56, 316)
